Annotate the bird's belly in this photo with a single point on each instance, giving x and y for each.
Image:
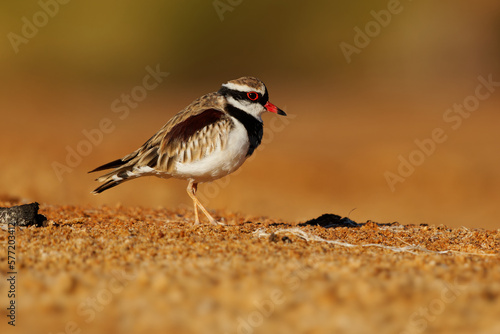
(220, 162)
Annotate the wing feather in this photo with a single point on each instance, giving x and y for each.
(194, 138)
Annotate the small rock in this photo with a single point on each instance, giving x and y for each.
(330, 220)
(22, 215)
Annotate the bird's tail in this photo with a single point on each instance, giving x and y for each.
(120, 174)
(138, 163)
(123, 171)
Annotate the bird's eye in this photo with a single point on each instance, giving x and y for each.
(253, 96)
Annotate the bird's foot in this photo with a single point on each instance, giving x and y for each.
(215, 222)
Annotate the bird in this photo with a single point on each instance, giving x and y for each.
(207, 140)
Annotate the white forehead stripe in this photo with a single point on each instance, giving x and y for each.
(242, 88)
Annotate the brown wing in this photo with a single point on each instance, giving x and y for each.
(193, 138)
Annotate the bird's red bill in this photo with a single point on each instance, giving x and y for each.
(272, 108)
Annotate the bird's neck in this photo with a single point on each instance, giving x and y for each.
(254, 127)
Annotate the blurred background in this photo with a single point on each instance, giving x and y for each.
(361, 82)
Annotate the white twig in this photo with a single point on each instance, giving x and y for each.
(408, 249)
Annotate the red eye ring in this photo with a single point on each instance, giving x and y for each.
(253, 95)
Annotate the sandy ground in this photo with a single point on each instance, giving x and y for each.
(138, 270)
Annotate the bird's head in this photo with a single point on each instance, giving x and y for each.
(250, 95)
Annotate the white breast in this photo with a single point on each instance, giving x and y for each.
(220, 162)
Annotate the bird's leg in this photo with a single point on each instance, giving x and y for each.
(191, 190)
